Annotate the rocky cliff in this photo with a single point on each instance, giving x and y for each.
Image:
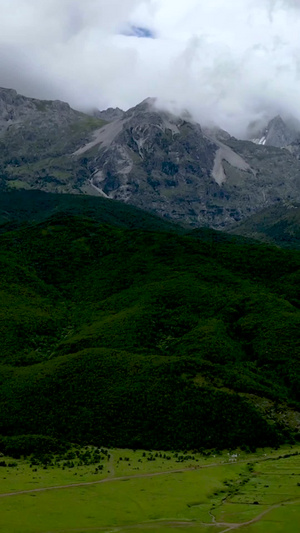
(146, 157)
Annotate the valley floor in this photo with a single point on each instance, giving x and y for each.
(155, 492)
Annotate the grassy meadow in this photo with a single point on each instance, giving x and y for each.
(211, 493)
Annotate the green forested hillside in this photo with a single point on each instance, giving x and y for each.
(124, 336)
(279, 224)
(35, 206)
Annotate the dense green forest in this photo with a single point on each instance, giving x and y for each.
(35, 206)
(278, 224)
(120, 329)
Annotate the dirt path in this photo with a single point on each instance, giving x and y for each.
(185, 523)
(191, 524)
(231, 527)
(105, 480)
(126, 478)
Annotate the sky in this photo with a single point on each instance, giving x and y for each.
(228, 63)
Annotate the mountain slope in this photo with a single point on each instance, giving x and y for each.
(278, 132)
(161, 162)
(147, 157)
(133, 338)
(36, 140)
(110, 114)
(277, 225)
(35, 206)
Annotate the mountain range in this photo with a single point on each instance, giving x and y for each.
(121, 327)
(149, 158)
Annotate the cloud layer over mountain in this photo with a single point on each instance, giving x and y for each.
(228, 62)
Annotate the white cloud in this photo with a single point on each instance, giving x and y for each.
(228, 62)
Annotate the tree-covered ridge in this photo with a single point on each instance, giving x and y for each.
(35, 206)
(278, 224)
(132, 337)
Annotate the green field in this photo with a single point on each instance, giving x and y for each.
(145, 493)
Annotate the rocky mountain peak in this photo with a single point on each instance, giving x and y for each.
(16, 110)
(150, 118)
(278, 132)
(110, 114)
(146, 106)
(32, 131)
(151, 157)
(7, 94)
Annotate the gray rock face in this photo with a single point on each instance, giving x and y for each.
(161, 162)
(154, 160)
(280, 133)
(110, 114)
(16, 109)
(147, 157)
(35, 138)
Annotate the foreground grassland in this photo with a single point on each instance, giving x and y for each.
(155, 491)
